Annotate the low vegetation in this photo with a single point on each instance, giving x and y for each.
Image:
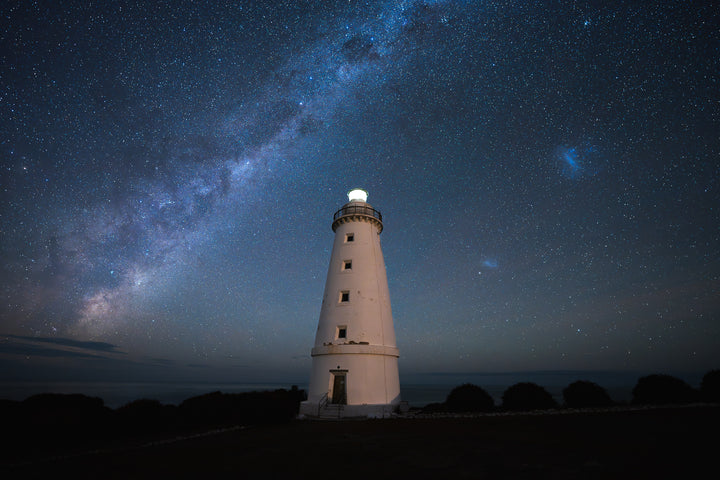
(43, 423)
(526, 396)
(710, 387)
(663, 390)
(40, 423)
(469, 398)
(584, 394)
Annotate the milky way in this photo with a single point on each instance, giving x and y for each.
(548, 174)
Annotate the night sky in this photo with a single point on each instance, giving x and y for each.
(548, 175)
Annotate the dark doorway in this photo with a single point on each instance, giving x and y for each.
(339, 395)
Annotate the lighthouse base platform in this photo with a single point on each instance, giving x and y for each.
(333, 411)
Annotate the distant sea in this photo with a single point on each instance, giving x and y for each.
(418, 389)
(117, 394)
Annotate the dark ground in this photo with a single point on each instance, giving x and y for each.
(652, 443)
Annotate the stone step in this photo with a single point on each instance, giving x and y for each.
(330, 412)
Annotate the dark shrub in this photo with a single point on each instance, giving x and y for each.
(74, 402)
(434, 408)
(710, 386)
(11, 416)
(527, 396)
(469, 398)
(140, 407)
(146, 415)
(48, 423)
(62, 409)
(242, 408)
(65, 419)
(583, 394)
(663, 389)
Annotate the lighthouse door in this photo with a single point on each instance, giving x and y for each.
(339, 394)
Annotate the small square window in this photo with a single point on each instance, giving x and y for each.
(347, 265)
(342, 332)
(345, 296)
(349, 237)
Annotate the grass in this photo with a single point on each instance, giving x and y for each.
(653, 443)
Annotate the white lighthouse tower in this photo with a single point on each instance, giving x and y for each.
(355, 358)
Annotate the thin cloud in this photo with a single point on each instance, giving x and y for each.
(68, 342)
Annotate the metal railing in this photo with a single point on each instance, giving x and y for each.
(321, 404)
(357, 210)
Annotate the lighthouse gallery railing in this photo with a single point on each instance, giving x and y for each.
(357, 210)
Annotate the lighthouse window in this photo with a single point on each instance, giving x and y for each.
(345, 296)
(342, 332)
(349, 237)
(347, 265)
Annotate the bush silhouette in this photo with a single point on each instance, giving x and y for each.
(434, 408)
(141, 407)
(527, 396)
(66, 410)
(583, 394)
(663, 389)
(249, 408)
(710, 386)
(147, 415)
(65, 419)
(469, 398)
(49, 423)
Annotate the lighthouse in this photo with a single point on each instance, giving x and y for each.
(355, 358)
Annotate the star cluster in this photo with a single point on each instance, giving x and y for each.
(548, 174)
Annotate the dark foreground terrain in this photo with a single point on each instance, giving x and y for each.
(650, 443)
